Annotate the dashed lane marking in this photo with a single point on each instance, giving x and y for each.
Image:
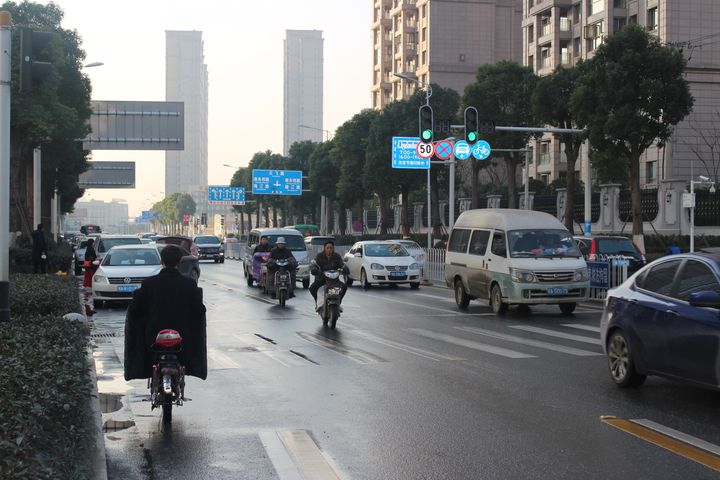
(401, 346)
(220, 359)
(483, 347)
(580, 326)
(354, 354)
(556, 334)
(530, 342)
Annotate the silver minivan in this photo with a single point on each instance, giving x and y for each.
(514, 257)
(295, 242)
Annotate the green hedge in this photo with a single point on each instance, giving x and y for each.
(39, 295)
(45, 424)
(59, 259)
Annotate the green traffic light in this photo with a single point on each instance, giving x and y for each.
(472, 136)
(427, 134)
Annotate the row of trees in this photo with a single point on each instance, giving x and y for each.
(626, 98)
(169, 212)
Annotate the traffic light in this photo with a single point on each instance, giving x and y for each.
(222, 221)
(203, 220)
(471, 125)
(426, 124)
(31, 45)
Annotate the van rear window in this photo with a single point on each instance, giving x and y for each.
(459, 240)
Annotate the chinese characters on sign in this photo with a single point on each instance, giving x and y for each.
(221, 195)
(599, 273)
(405, 155)
(277, 182)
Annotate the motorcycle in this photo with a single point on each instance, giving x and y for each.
(167, 384)
(259, 259)
(331, 295)
(279, 284)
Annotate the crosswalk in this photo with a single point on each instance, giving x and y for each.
(447, 344)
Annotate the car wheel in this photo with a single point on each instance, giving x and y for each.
(97, 304)
(461, 297)
(349, 282)
(498, 306)
(245, 271)
(222, 260)
(414, 286)
(364, 281)
(620, 362)
(567, 308)
(306, 283)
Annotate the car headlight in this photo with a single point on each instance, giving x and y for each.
(415, 266)
(305, 261)
(522, 276)
(376, 266)
(581, 275)
(100, 279)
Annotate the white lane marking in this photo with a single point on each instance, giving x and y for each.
(683, 437)
(554, 333)
(354, 354)
(533, 343)
(580, 326)
(287, 359)
(281, 459)
(414, 304)
(311, 460)
(401, 346)
(222, 360)
(483, 347)
(435, 297)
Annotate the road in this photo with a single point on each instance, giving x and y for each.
(406, 388)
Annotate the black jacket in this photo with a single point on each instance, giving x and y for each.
(90, 255)
(281, 254)
(39, 245)
(262, 248)
(166, 300)
(334, 262)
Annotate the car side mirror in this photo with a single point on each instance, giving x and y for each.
(358, 255)
(707, 299)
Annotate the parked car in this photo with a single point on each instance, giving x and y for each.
(295, 243)
(104, 243)
(517, 257)
(189, 264)
(210, 247)
(122, 271)
(316, 243)
(665, 320)
(382, 262)
(601, 247)
(415, 250)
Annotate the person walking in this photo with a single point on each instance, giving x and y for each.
(90, 267)
(39, 250)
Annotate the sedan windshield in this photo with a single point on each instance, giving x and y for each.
(387, 250)
(209, 239)
(107, 243)
(542, 244)
(131, 257)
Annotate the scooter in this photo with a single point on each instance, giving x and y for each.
(281, 281)
(167, 384)
(259, 260)
(331, 295)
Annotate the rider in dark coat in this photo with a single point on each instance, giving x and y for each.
(263, 246)
(166, 300)
(281, 252)
(328, 259)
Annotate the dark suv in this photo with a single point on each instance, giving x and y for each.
(606, 247)
(210, 248)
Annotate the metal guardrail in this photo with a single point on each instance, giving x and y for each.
(434, 267)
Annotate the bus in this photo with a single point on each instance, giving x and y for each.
(89, 229)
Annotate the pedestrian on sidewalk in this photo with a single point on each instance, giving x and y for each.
(90, 267)
(39, 250)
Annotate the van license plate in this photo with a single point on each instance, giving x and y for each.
(557, 291)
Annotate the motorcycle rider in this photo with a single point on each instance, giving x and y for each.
(327, 260)
(263, 246)
(281, 252)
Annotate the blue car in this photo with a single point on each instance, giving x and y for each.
(665, 320)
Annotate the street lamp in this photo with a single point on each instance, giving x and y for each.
(703, 181)
(327, 132)
(93, 64)
(230, 166)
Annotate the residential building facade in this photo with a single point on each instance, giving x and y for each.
(561, 32)
(439, 41)
(303, 87)
(186, 80)
(112, 216)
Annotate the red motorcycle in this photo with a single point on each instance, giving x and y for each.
(167, 384)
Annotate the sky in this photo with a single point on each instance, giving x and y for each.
(244, 54)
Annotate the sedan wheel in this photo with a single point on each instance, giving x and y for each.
(364, 281)
(620, 362)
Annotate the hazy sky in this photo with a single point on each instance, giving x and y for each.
(244, 54)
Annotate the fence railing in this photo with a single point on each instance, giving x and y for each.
(606, 275)
(434, 267)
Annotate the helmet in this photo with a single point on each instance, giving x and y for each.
(168, 338)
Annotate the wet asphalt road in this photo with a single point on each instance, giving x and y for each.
(406, 388)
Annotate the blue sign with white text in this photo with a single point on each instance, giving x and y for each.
(404, 154)
(226, 195)
(599, 273)
(277, 182)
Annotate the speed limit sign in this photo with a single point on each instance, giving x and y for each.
(425, 150)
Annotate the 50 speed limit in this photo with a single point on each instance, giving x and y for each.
(425, 150)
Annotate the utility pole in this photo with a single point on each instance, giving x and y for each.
(37, 187)
(5, 69)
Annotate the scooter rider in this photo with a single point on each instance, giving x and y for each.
(263, 246)
(326, 260)
(281, 252)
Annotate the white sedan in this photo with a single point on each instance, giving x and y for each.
(382, 262)
(122, 271)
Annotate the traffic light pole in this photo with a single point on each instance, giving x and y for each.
(5, 49)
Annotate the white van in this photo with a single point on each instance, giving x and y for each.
(513, 257)
(294, 242)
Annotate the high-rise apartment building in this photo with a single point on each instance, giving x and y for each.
(561, 32)
(440, 41)
(303, 87)
(186, 80)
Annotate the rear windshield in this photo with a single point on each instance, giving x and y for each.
(320, 241)
(208, 239)
(390, 250)
(107, 243)
(296, 243)
(616, 246)
(131, 257)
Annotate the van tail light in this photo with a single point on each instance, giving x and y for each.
(642, 254)
(593, 250)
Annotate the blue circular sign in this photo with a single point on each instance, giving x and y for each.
(444, 150)
(462, 150)
(481, 150)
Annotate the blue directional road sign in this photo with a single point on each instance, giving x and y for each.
(404, 154)
(277, 182)
(481, 150)
(462, 150)
(226, 195)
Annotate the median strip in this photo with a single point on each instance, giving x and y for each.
(679, 443)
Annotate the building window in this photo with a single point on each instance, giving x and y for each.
(422, 11)
(564, 23)
(375, 57)
(595, 6)
(651, 172)
(545, 178)
(576, 47)
(545, 25)
(618, 23)
(619, 3)
(576, 14)
(563, 155)
(545, 153)
(594, 34)
(531, 33)
(632, 20)
(531, 62)
(531, 4)
(652, 19)
(424, 58)
(545, 58)
(565, 56)
(424, 34)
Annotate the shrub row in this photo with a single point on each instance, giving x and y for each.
(59, 259)
(39, 295)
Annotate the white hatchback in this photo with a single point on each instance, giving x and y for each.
(122, 271)
(382, 262)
